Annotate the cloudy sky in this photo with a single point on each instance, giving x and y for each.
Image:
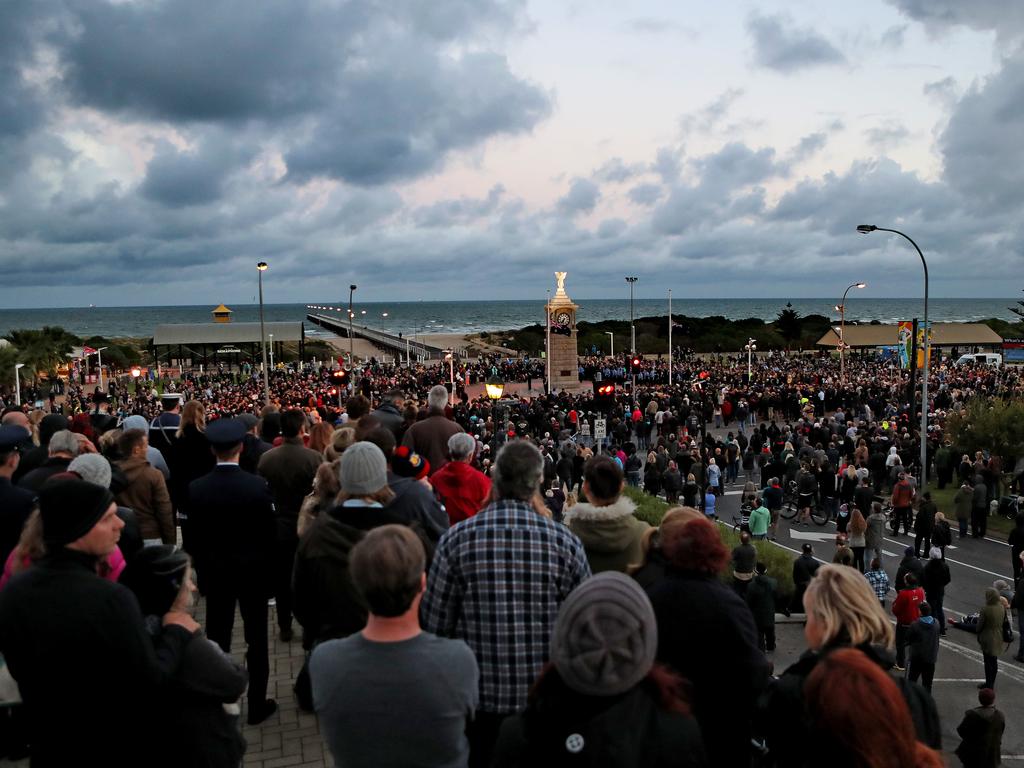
(152, 151)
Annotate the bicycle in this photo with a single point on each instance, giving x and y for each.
(791, 507)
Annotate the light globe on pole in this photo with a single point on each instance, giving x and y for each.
(261, 267)
(841, 309)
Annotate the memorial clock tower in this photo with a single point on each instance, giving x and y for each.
(563, 360)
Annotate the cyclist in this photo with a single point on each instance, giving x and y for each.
(806, 488)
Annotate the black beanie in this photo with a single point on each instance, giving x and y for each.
(70, 508)
(155, 575)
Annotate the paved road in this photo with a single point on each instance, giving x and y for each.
(974, 564)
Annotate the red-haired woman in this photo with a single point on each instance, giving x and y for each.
(854, 735)
(706, 634)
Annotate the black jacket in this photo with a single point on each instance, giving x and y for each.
(935, 578)
(34, 480)
(721, 660)
(324, 599)
(16, 505)
(78, 647)
(623, 731)
(415, 503)
(231, 515)
(923, 640)
(785, 725)
(804, 568)
(760, 596)
(909, 564)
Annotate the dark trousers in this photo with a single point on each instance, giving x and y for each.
(1020, 635)
(284, 563)
(901, 515)
(220, 620)
(963, 526)
(858, 558)
(483, 734)
(926, 539)
(979, 522)
(923, 671)
(935, 601)
(991, 667)
(901, 644)
(766, 638)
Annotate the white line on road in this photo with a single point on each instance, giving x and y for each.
(959, 680)
(957, 562)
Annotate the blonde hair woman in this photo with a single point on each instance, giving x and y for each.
(192, 415)
(842, 612)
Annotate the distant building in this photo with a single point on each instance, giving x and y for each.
(961, 335)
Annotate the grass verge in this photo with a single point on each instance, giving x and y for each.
(779, 561)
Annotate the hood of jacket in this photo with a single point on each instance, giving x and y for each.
(603, 529)
(132, 468)
(991, 596)
(336, 531)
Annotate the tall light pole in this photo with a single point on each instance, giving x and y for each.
(261, 267)
(670, 337)
(449, 355)
(632, 328)
(547, 344)
(351, 343)
(865, 229)
(842, 329)
(17, 383)
(611, 336)
(750, 347)
(271, 337)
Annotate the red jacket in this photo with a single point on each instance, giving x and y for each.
(905, 607)
(462, 489)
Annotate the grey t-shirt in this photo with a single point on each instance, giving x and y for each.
(401, 704)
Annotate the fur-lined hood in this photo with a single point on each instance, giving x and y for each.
(624, 507)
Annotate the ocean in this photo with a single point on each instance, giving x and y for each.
(473, 316)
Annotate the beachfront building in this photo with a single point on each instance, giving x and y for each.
(951, 338)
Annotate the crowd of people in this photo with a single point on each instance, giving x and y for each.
(469, 580)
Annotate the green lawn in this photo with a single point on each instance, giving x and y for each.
(997, 525)
(778, 560)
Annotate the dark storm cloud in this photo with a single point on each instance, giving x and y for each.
(617, 171)
(1005, 17)
(786, 48)
(398, 117)
(809, 145)
(464, 210)
(981, 145)
(581, 198)
(179, 178)
(887, 135)
(645, 194)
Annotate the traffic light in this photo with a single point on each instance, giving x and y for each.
(636, 361)
(604, 395)
(340, 377)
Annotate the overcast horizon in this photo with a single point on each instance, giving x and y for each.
(152, 150)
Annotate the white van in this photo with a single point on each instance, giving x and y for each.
(981, 358)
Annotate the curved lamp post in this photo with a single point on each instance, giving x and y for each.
(632, 328)
(841, 307)
(261, 267)
(17, 382)
(865, 229)
(751, 348)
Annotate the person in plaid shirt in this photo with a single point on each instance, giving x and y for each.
(497, 582)
(879, 580)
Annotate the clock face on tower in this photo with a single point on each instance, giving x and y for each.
(562, 317)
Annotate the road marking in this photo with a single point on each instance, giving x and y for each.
(1006, 669)
(959, 680)
(810, 536)
(958, 562)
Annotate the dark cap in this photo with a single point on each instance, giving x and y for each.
(13, 438)
(249, 420)
(225, 433)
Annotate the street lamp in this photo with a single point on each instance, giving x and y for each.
(495, 387)
(751, 348)
(449, 355)
(351, 347)
(632, 328)
(611, 336)
(271, 337)
(841, 307)
(261, 267)
(17, 383)
(866, 229)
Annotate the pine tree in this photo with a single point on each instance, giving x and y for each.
(789, 324)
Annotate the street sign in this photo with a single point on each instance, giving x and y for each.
(585, 428)
(599, 429)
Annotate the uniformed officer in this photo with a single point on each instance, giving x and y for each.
(16, 503)
(232, 517)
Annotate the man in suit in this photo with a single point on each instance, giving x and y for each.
(232, 514)
(15, 503)
(289, 469)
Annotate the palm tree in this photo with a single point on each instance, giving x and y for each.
(42, 350)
